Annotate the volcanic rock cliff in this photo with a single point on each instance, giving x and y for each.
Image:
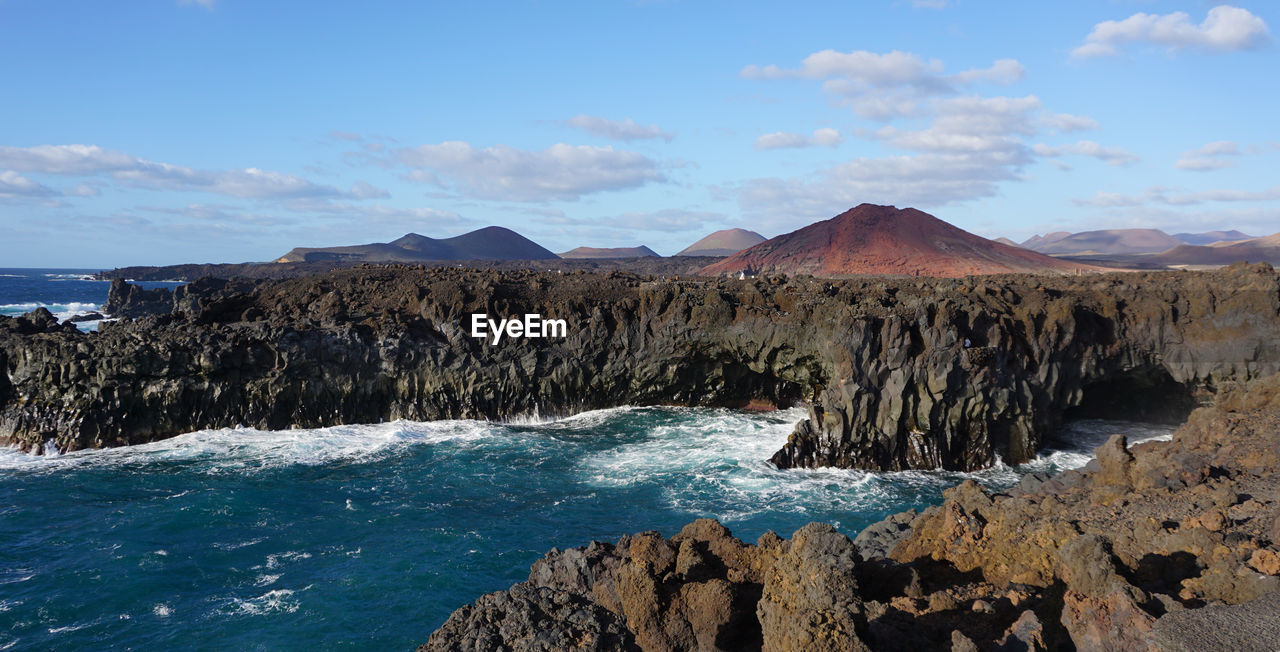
(906, 373)
(1161, 546)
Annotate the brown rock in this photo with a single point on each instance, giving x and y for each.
(1026, 633)
(1113, 622)
(942, 601)
(1115, 462)
(810, 600)
(962, 643)
(1265, 561)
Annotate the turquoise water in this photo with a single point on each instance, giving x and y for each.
(368, 536)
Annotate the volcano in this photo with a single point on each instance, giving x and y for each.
(723, 243)
(871, 239)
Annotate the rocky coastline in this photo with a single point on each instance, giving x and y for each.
(898, 373)
(1160, 546)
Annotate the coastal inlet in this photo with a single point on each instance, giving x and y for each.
(305, 539)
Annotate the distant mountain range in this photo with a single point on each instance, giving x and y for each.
(609, 252)
(489, 243)
(868, 239)
(871, 239)
(1123, 241)
(1155, 248)
(723, 243)
(1255, 250)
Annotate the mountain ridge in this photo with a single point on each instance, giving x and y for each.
(488, 243)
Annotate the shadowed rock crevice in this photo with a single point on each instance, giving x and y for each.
(1148, 395)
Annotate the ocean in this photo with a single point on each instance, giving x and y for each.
(368, 536)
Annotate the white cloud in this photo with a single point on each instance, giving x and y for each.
(1110, 155)
(825, 137)
(362, 190)
(85, 190)
(220, 214)
(91, 160)
(1211, 156)
(1225, 29)
(1216, 148)
(1159, 195)
(882, 86)
(1221, 195)
(1108, 199)
(922, 180)
(1067, 122)
(1204, 164)
(14, 185)
(66, 159)
(930, 4)
(625, 130)
(1003, 71)
(971, 124)
(207, 4)
(970, 145)
(559, 172)
(667, 219)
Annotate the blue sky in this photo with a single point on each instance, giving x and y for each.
(228, 130)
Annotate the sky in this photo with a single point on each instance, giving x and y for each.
(179, 131)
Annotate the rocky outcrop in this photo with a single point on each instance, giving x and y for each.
(991, 367)
(532, 618)
(898, 374)
(1162, 546)
(702, 589)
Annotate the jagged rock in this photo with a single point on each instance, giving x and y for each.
(810, 599)
(1115, 461)
(878, 539)
(962, 643)
(1086, 566)
(1113, 622)
(1026, 634)
(531, 618)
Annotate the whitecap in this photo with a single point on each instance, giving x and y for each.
(274, 601)
(273, 561)
(71, 628)
(235, 450)
(716, 463)
(61, 311)
(238, 544)
(265, 579)
(163, 610)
